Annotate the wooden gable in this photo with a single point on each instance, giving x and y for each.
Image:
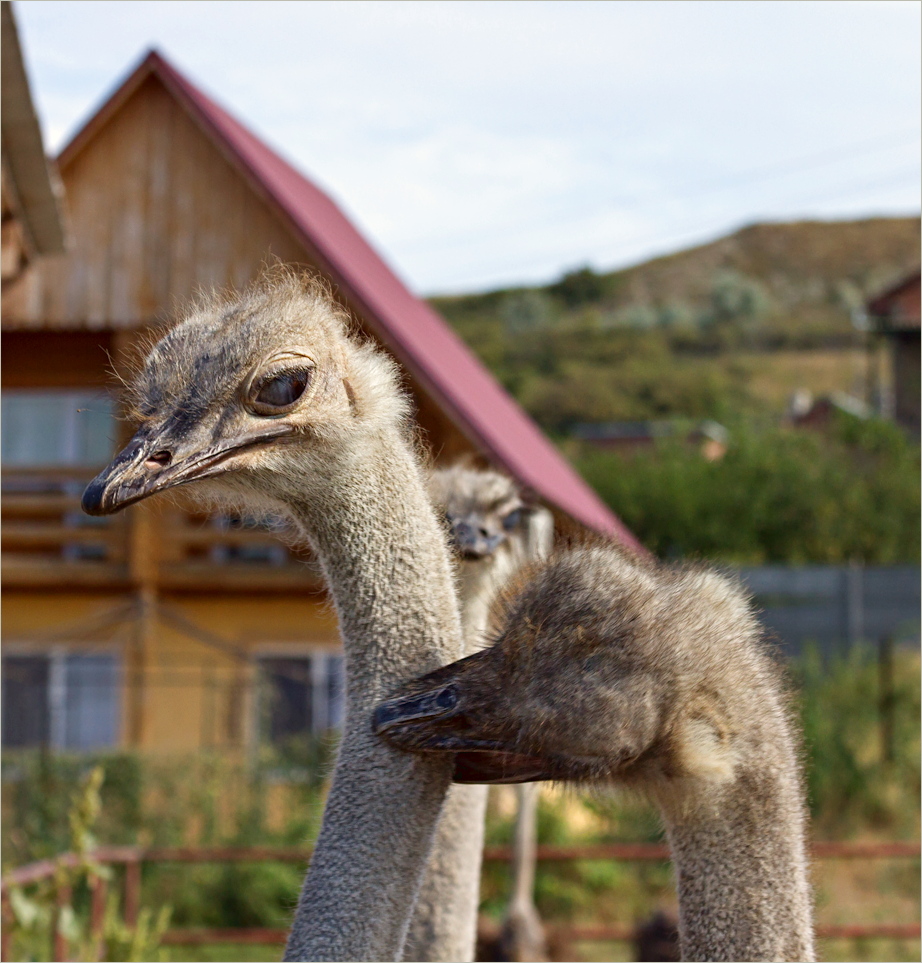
(157, 213)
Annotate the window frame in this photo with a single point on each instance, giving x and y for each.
(320, 700)
(56, 706)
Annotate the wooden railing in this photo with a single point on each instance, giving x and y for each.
(48, 541)
(132, 859)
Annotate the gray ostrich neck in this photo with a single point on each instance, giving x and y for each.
(443, 926)
(388, 572)
(742, 870)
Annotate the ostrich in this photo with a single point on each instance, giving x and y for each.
(495, 533)
(266, 403)
(612, 669)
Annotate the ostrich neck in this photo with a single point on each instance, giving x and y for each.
(524, 845)
(388, 571)
(742, 869)
(444, 923)
(478, 583)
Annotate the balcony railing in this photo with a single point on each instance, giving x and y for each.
(47, 540)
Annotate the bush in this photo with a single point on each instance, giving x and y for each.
(778, 495)
(853, 787)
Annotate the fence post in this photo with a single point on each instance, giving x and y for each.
(59, 944)
(886, 697)
(132, 891)
(98, 888)
(854, 602)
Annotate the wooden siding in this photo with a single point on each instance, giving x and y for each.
(157, 213)
(56, 359)
(193, 687)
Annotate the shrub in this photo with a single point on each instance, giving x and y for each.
(778, 495)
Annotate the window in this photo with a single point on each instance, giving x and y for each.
(63, 700)
(57, 428)
(300, 695)
(25, 701)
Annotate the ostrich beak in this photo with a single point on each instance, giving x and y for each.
(154, 461)
(436, 713)
(473, 539)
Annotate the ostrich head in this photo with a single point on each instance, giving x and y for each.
(243, 394)
(484, 510)
(606, 668)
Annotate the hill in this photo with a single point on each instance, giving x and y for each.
(798, 263)
(723, 330)
(766, 285)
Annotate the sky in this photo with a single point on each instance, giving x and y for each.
(487, 143)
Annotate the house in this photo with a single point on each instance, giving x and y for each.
(894, 315)
(806, 412)
(163, 628)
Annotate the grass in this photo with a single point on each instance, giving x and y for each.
(772, 377)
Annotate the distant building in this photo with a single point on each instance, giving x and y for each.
(894, 314)
(164, 628)
(709, 437)
(806, 412)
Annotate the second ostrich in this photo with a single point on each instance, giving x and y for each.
(494, 533)
(611, 669)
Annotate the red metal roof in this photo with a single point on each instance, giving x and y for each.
(417, 335)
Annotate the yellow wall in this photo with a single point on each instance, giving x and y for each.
(191, 685)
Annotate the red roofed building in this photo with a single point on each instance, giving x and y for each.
(172, 613)
(895, 314)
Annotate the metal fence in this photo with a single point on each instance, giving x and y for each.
(836, 606)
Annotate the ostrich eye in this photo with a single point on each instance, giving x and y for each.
(276, 394)
(512, 520)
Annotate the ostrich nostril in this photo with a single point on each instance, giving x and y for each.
(484, 533)
(159, 459)
(447, 698)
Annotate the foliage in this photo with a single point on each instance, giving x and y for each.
(852, 784)
(206, 799)
(579, 287)
(778, 495)
(35, 916)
